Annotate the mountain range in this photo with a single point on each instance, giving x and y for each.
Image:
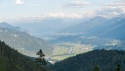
(23, 41)
(96, 33)
(47, 26)
(83, 27)
(82, 36)
(98, 30)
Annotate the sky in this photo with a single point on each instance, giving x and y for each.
(38, 9)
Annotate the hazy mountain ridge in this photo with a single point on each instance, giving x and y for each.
(110, 28)
(83, 27)
(23, 41)
(5, 25)
(97, 27)
(117, 31)
(47, 26)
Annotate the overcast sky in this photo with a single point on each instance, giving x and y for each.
(14, 9)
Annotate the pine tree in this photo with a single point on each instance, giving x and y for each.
(41, 62)
(96, 68)
(118, 68)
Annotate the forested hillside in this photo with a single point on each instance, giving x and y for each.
(105, 60)
(12, 60)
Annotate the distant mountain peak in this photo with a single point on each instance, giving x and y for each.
(121, 15)
(5, 25)
(118, 18)
(99, 18)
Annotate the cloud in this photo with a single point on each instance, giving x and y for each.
(117, 4)
(65, 15)
(111, 10)
(60, 15)
(53, 15)
(76, 4)
(68, 15)
(19, 2)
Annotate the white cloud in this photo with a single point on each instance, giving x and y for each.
(54, 15)
(68, 15)
(76, 4)
(117, 4)
(108, 11)
(111, 10)
(19, 2)
(61, 15)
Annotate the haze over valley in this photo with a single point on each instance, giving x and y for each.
(68, 35)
